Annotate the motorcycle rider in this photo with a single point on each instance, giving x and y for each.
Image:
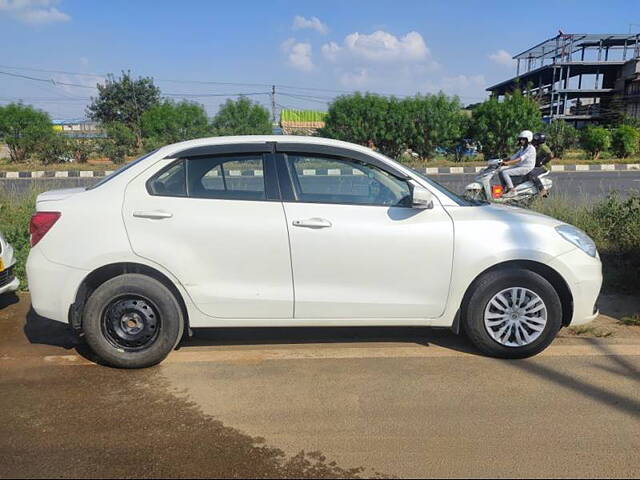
(543, 156)
(521, 162)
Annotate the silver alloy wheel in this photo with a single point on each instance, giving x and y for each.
(515, 317)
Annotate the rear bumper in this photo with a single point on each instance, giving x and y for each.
(52, 286)
(583, 275)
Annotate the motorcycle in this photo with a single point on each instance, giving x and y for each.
(488, 186)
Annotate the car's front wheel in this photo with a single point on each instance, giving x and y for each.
(132, 321)
(512, 313)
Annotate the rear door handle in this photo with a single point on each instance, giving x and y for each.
(312, 223)
(154, 214)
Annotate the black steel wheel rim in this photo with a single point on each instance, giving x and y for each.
(131, 322)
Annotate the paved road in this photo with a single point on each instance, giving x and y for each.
(579, 186)
(402, 402)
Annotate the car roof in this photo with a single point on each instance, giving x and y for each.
(228, 140)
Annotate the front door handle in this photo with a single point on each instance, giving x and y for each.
(312, 223)
(154, 214)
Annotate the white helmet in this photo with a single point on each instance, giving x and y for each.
(528, 134)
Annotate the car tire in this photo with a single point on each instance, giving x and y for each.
(132, 321)
(486, 314)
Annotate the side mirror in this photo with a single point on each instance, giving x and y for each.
(422, 198)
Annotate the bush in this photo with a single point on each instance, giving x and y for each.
(242, 117)
(15, 213)
(496, 124)
(432, 121)
(82, 148)
(561, 136)
(22, 128)
(595, 140)
(120, 142)
(172, 122)
(625, 141)
(53, 148)
(420, 123)
(362, 118)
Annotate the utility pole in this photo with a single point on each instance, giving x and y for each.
(273, 104)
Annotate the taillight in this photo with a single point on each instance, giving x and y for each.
(497, 191)
(40, 224)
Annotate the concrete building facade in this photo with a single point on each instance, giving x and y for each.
(580, 78)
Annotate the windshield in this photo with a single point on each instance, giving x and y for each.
(453, 196)
(120, 170)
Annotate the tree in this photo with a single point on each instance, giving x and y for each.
(23, 128)
(625, 141)
(595, 140)
(119, 143)
(433, 121)
(242, 117)
(560, 136)
(124, 100)
(172, 122)
(497, 123)
(359, 118)
(420, 123)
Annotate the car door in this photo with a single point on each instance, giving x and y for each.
(358, 248)
(216, 222)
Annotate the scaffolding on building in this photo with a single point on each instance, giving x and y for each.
(580, 78)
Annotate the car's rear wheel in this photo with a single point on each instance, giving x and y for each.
(512, 313)
(132, 321)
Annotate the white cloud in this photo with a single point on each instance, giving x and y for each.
(357, 79)
(502, 57)
(380, 46)
(34, 12)
(313, 23)
(298, 54)
(467, 87)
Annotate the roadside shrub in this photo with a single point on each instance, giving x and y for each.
(421, 123)
(15, 213)
(241, 117)
(625, 141)
(53, 148)
(495, 124)
(120, 142)
(561, 136)
(83, 148)
(22, 128)
(595, 140)
(172, 122)
(614, 224)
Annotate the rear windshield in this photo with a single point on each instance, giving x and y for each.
(120, 170)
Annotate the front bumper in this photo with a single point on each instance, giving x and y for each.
(11, 285)
(583, 275)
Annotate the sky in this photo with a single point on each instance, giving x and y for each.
(209, 51)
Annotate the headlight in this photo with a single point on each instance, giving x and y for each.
(578, 238)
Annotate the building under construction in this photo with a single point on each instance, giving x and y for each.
(581, 78)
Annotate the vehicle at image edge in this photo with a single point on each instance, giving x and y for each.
(8, 281)
(488, 186)
(261, 231)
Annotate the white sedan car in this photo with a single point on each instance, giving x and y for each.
(8, 281)
(260, 231)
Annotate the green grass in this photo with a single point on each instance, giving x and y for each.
(614, 224)
(15, 213)
(632, 321)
